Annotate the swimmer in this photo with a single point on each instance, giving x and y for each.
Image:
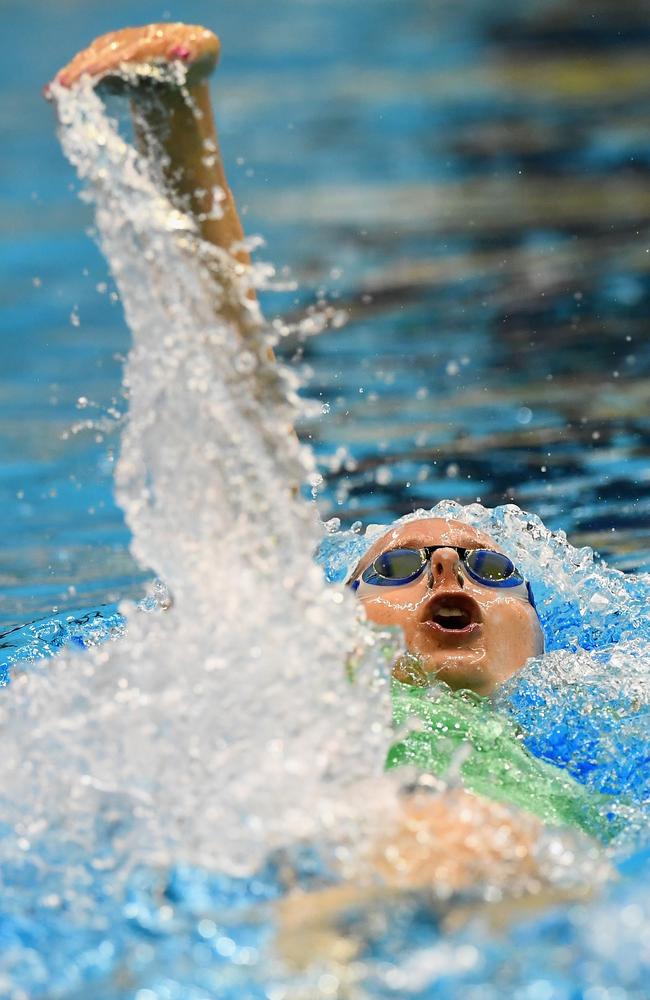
(466, 613)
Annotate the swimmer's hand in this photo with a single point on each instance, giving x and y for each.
(169, 62)
(134, 55)
(451, 850)
(452, 841)
(163, 69)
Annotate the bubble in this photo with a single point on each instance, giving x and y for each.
(245, 362)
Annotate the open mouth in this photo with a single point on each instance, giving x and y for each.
(453, 613)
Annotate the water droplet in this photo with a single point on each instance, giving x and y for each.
(245, 362)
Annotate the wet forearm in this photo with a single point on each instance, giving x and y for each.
(180, 123)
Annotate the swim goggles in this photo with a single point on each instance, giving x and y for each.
(397, 567)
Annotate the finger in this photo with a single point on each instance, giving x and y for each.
(112, 53)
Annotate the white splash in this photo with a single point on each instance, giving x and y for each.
(225, 726)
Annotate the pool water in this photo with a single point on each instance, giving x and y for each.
(460, 198)
(466, 184)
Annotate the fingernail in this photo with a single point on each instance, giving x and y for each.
(179, 52)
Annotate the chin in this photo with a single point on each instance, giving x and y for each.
(463, 669)
(460, 681)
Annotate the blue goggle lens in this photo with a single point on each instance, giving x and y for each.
(492, 568)
(394, 567)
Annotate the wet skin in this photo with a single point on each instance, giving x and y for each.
(499, 629)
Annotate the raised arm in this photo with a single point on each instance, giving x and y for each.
(163, 68)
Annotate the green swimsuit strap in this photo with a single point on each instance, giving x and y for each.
(461, 726)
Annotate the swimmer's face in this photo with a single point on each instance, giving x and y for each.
(468, 634)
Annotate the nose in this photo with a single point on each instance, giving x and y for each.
(444, 567)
